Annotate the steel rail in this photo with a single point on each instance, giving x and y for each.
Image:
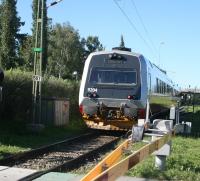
(74, 163)
(11, 160)
(66, 165)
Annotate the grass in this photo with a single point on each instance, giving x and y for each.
(182, 164)
(14, 137)
(184, 161)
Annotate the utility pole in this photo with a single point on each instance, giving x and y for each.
(37, 71)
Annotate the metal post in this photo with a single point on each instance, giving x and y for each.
(147, 111)
(193, 101)
(41, 58)
(37, 72)
(177, 113)
(162, 153)
(34, 88)
(160, 162)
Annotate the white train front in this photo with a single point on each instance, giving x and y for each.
(115, 88)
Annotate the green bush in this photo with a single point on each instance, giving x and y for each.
(17, 94)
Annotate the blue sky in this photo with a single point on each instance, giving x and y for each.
(174, 22)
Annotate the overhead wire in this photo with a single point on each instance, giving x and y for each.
(133, 25)
(142, 23)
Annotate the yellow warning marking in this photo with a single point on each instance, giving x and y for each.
(107, 162)
(109, 169)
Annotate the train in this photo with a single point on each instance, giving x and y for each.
(116, 87)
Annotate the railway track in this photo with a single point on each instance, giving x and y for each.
(62, 156)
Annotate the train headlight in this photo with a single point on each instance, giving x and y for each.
(81, 109)
(141, 113)
(130, 97)
(119, 57)
(92, 95)
(115, 56)
(112, 56)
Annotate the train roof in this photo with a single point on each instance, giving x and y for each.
(117, 51)
(131, 54)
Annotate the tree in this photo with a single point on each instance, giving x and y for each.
(10, 26)
(93, 44)
(26, 53)
(45, 28)
(122, 44)
(65, 51)
(0, 28)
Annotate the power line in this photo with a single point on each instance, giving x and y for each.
(132, 25)
(142, 22)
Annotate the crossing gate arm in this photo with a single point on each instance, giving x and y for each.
(109, 169)
(107, 162)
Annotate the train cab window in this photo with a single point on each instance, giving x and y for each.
(125, 77)
(168, 89)
(113, 76)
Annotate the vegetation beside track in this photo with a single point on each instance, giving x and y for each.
(17, 94)
(15, 137)
(194, 117)
(15, 112)
(184, 162)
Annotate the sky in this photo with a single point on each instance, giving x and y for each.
(167, 32)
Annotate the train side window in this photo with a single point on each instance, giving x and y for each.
(167, 89)
(164, 88)
(160, 87)
(171, 90)
(149, 84)
(157, 85)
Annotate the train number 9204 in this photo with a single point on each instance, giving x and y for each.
(92, 90)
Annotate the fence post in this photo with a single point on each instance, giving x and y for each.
(162, 153)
